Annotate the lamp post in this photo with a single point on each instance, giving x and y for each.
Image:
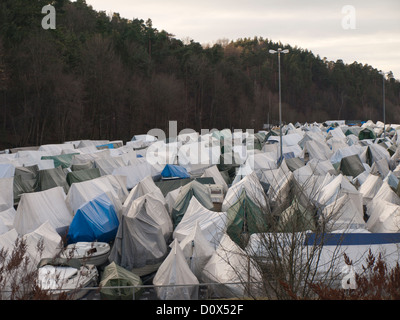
(280, 103)
(384, 113)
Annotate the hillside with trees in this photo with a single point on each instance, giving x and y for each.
(98, 76)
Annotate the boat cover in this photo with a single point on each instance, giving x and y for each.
(96, 220)
(175, 271)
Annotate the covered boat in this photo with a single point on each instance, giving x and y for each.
(117, 283)
(67, 278)
(88, 252)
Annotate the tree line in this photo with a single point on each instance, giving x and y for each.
(101, 76)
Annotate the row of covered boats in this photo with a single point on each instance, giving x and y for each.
(199, 211)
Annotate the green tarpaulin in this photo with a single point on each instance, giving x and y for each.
(113, 278)
(244, 219)
(82, 175)
(367, 133)
(63, 160)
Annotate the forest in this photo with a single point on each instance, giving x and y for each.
(100, 76)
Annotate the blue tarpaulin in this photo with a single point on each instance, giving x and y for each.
(107, 145)
(96, 220)
(174, 171)
(348, 239)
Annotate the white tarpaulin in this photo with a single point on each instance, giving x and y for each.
(7, 241)
(6, 170)
(384, 216)
(135, 173)
(7, 218)
(346, 152)
(118, 182)
(253, 189)
(195, 157)
(56, 149)
(36, 208)
(197, 250)
(339, 186)
(317, 149)
(343, 214)
(213, 172)
(212, 223)
(46, 237)
(175, 271)
(230, 264)
(370, 188)
(107, 165)
(6, 193)
(291, 139)
(279, 181)
(82, 192)
(144, 186)
(386, 193)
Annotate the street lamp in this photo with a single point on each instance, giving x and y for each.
(280, 103)
(383, 93)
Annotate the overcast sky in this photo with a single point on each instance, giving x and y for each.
(367, 32)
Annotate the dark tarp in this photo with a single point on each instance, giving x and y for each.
(82, 175)
(25, 181)
(29, 172)
(245, 218)
(167, 186)
(22, 185)
(51, 178)
(351, 166)
(366, 133)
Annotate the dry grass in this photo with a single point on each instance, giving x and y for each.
(376, 282)
(18, 276)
